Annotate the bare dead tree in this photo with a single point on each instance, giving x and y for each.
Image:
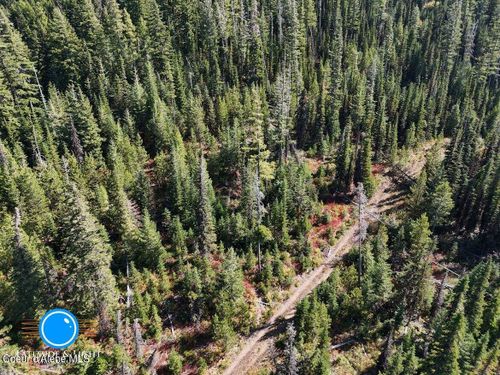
(129, 291)
(40, 90)
(138, 339)
(290, 365)
(17, 226)
(3, 157)
(119, 336)
(171, 325)
(153, 361)
(76, 145)
(38, 154)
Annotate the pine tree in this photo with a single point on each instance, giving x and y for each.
(17, 72)
(27, 275)
(415, 285)
(174, 363)
(450, 38)
(476, 303)
(9, 194)
(231, 307)
(449, 339)
(157, 41)
(256, 64)
(282, 96)
(86, 255)
(380, 130)
(148, 249)
(313, 324)
(404, 360)
(491, 316)
(179, 238)
(440, 204)
(223, 332)
(80, 115)
(110, 130)
(156, 327)
(65, 52)
(34, 205)
(119, 219)
(177, 186)
(416, 201)
(344, 163)
(7, 117)
(381, 271)
(192, 291)
(195, 119)
(366, 166)
(122, 35)
(87, 26)
(336, 52)
(255, 147)
(157, 116)
(207, 236)
(367, 282)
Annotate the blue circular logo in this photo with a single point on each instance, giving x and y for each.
(58, 328)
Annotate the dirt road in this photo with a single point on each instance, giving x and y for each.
(256, 345)
(260, 341)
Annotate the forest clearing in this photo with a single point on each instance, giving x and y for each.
(256, 346)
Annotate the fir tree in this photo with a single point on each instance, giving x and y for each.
(65, 52)
(344, 163)
(440, 204)
(80, 116)
(207, 235)
(416, 273)
(174, 363)
(156, 324)
(366, 167)
(148, 249)
(231, 306)
(27, 274)
(86, 255)
(417, 197)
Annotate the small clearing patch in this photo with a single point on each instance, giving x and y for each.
(328, 223)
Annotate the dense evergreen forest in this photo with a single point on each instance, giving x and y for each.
(163, 164)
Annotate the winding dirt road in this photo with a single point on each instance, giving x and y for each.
(256, 345)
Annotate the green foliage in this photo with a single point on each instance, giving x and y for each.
(377, 280)
(156, 327)
(160, 133)
(440, 204)
(414, 281)
(207, 235)
(65, 52)
(85, 255)
(147, 247)
(27, 277)
(231, 307)
(313, 341)
(174, 364)
(404, 360)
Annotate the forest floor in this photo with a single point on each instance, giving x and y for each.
(254, 348)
